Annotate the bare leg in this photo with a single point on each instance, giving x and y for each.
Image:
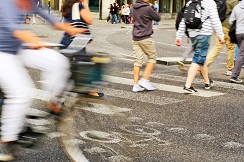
(204, 71)
(192, 72)
(136, 74)
(148, 70)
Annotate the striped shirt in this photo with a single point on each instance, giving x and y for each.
(210, 19)
(11, 18)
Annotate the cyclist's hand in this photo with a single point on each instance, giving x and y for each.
(178, 42)
(69, 29)
(73, 31)
(222, 41)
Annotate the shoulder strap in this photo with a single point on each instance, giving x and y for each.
(75, 11)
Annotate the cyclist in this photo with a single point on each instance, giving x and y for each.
(15, 82)
(82, 18)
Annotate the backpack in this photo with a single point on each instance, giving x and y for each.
(232, 33)
(179, 16)
(221, 7)
(192, 14)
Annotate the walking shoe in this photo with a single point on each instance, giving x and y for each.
(189, 90)
(146, 84)
(233, 80)
(182, 66)
(137, 88)
(209, 85)
(228, 73)
(7, 151)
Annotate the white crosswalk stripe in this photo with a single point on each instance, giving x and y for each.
(153, 99)
(164, 87)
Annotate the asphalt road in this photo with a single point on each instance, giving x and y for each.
(159, 126)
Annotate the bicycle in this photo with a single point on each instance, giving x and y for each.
(90, 114)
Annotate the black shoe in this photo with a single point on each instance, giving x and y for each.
(233, 80)
(209, 85)
(189, 90)
(7, 151)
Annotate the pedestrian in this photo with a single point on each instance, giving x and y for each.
(230, 47)
(156, 8)
(110, 14)
(15, 82)
(238, 16)
(143, 15)
(127, 14)
(77, 12)
(115, 13)
(200, 36)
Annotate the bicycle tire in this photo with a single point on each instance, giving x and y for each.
(95, 141)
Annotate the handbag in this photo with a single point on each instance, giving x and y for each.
(232, 33)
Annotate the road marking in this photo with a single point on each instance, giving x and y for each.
(164, 87)
(136, 96)
(196, 80)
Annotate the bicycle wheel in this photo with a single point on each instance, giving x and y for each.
(90, 132)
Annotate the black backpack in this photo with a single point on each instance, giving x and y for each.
(221, 7)
(179, 16)
(192, 14)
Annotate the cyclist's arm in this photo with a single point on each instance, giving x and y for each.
(28, 37)
(13, 27)
(58, 25)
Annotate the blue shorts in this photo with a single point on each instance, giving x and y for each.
(200, 44)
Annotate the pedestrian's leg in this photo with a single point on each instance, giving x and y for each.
(187, 52)
(136, 74)
(204, 72)
(148, 70)
(240, 59)
(230, 52)
(214, 52)
(192, 72)
(138, 54)
(201, 46)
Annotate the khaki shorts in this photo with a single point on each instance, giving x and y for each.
(142, 47)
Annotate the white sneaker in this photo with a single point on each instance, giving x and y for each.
(146, 84)
(228, 73)
(137, 88)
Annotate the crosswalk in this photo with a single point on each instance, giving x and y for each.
(147, 97)
(144, 97)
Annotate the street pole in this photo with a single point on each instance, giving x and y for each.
(100, 9)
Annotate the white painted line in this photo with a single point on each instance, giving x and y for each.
(164, 87)
(121, 58)
(148, 98)
(127, 55)
(101, 108)
(196, 81)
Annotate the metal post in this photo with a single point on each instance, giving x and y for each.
(100, 9)
(49, 7)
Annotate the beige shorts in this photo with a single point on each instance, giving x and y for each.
(142, 47)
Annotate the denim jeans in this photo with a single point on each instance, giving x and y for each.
(200, 44)
(114, 19)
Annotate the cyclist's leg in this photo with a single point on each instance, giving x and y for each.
(54, 67)
(17, 86)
